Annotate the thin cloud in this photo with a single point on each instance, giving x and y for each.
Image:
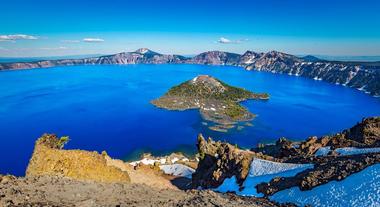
(17, 37)
(70, 41)
(93, 40)
(223, 40)
(54, 48)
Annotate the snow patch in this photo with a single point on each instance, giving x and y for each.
(177, 170)
(359, 189)
(261, 171)
(323, 151)
(147, 161)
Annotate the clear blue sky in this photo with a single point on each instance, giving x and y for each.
(71, 27)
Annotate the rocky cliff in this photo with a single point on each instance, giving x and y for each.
(364, 76)
(220, 160)
(50, 159)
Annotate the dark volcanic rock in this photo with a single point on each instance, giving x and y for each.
(219, 161)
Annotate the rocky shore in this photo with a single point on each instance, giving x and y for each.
(364, 76)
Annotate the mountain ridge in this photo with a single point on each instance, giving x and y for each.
(364, 76)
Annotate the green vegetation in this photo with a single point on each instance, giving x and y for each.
(235, 111)
(52, 141)
(218, 102)
(218, 92)
(62, 141)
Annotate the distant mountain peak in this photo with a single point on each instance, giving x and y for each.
(311, 58)
(144, 51)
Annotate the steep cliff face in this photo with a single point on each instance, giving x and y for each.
(215, 58)
(364, 76)
(49, 159)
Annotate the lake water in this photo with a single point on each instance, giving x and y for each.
(107, 108)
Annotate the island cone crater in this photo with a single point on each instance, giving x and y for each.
(217, 101)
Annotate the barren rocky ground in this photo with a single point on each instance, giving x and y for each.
(64, 192)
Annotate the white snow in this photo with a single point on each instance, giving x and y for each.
(323, 151)
(147, 161)
(359, 189)
(177, 170)
(162, 161)
(174, 160)
(264, 167)
(261, 171)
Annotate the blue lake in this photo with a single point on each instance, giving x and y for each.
(107, 108)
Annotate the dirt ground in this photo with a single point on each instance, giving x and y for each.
(64, 192)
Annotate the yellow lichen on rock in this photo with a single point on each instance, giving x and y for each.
(49, 159)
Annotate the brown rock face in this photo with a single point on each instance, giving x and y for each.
(367, 132)
(219, 161)
(49, 159)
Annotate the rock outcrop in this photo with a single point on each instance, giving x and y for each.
(50, 159)
(217, 101)
(365, 134)
(221, 160)
(364, 76)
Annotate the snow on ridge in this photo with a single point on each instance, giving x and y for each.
(261, 171)
(323, 151)
(359, 189)
(264, 167)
